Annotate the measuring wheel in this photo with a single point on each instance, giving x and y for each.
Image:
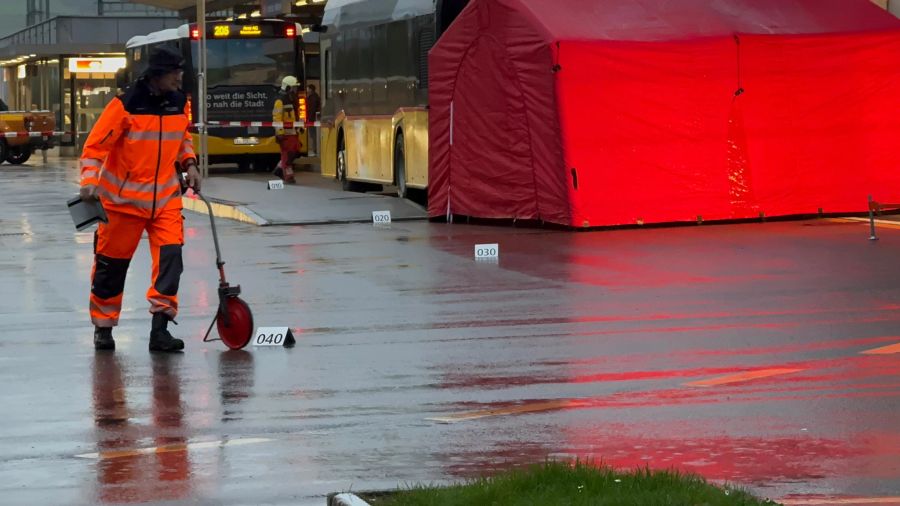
(236, 326)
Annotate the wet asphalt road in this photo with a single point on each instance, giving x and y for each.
(732, 351)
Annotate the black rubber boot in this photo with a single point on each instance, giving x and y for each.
(160, 338)
(103, 339)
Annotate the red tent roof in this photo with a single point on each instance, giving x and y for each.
(655, 20)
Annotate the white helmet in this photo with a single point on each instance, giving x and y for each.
(288, 82)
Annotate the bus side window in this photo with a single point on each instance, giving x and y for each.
(328, 93)
(426, 40)
(313, 67)
(445, 12)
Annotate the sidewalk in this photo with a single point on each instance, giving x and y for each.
(313, 200)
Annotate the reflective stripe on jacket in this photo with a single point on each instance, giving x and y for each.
(132, 149)
(284, 111)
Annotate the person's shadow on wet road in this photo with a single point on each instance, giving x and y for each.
(128, 471)
(236, 371)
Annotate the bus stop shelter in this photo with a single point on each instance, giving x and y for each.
(594, 113)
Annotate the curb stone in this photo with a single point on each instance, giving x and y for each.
(226, 211)
(346, 499)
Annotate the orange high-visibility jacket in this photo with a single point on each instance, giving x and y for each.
(131, 152)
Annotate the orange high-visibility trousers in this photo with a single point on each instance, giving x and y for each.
(114, 245)
(290, 148)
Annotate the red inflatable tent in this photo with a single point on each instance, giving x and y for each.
(616, 112)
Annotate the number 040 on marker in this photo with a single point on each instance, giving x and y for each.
(273, 336)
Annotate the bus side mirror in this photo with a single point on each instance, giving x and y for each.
(319, 28)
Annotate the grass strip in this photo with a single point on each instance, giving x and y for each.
(562, 484)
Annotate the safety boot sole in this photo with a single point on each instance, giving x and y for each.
(167, 346)
(104, 345)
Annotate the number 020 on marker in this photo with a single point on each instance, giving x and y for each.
(381, 217)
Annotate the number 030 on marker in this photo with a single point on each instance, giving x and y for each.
(487, 250)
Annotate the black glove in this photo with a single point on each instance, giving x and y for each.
(88, 193)
(193, 176)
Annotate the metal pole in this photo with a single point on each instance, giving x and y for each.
(201, 91)
(872, 236)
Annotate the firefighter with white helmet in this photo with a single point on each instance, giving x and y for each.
(289, 82)
(285, 110)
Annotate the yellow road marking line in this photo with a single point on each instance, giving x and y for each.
(538, 406)
(884, 350)
(170, 448)
(532, 407)
(840, 500)
(219, 210)
(878, 222)
(739, 377)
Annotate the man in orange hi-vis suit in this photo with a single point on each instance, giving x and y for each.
(129, 163)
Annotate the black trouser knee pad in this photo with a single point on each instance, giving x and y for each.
(109, 276)
(170, 269)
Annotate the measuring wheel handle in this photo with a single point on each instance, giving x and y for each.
(233, 319)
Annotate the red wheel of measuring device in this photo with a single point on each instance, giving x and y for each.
(240, 324)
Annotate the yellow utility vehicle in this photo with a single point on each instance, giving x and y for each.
(16, 146)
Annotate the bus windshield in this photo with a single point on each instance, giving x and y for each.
(249, 62)
(244, 75)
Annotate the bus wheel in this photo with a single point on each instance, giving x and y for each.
(19, 155)
(4, 152)
(340, 171)
(243, 165)
(264, 163)
(400, 166)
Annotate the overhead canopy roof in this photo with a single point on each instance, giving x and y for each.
(175, 5)
(178, 5)
(188, 8)
(86, 35)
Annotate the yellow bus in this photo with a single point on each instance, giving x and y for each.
(374, 56)
(246, 60)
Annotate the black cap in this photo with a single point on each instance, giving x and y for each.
(163, 60)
